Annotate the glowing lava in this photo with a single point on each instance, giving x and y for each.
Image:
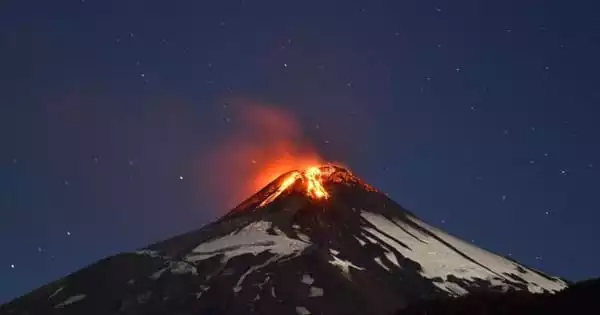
(312, 180)
(314, 183)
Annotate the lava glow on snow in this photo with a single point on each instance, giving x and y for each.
(312, 179)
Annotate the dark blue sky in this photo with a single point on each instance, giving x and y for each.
(479, 116)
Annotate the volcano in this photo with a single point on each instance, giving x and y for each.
(315, 241)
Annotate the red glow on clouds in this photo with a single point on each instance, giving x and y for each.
(264, 143)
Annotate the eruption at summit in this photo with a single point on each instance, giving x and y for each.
(263, 143)
(311, 179)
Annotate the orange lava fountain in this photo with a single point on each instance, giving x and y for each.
(314, 185)
(312, 179)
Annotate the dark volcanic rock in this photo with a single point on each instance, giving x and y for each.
(580, 298)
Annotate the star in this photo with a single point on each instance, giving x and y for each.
(68, 233)
(563, 172)
(12, 266)
(180, 177)
(503, 197)
(39, 249)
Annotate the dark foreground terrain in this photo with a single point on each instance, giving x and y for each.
(580, 298)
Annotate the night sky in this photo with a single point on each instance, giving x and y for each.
(479, 116)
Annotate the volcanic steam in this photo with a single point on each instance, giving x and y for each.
(264, 143)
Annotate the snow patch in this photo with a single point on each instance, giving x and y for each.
(147, 252)
(56, 292)
(303, 237)
(203, 288)
(380, 263)
(238, 285)
(71, 300)
(360, 241)
(391, 257)
(315, 292)
(158, 274)
(301, 310)
(181, 267)
(252, 239)
(344, 264)
(307, 279)
(370, 239)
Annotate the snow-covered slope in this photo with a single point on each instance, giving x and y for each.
(355, 253)
(442, 255)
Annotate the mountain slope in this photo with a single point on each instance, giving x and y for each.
(290, 250)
